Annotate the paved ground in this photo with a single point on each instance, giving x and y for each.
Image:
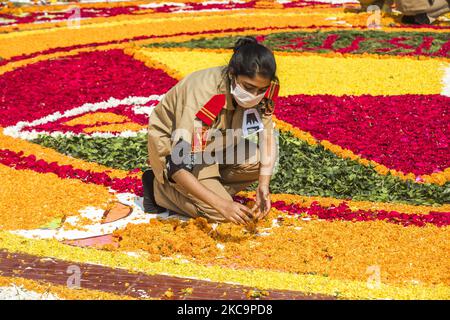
(122, 282)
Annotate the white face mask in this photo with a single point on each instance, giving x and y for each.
(245, 99)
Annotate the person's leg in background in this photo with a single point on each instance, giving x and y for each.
(438, 8)
(423, 12)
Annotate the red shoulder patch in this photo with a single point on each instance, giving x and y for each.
(271, 96)
(211, 109)
(272, 92)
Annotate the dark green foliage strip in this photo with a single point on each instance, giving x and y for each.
(303, 169)
(373, 43)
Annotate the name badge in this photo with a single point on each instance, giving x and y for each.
(251, 123)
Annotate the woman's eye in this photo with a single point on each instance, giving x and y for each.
(254, 90)
(260, 91)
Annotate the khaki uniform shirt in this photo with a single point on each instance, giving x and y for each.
(178, 109)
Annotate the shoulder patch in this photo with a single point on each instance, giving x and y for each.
(211, 109)
(272, 91)
(271, 96)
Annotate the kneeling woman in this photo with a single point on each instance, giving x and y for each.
(197, 144)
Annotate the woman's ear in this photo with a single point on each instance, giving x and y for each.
(230, 73)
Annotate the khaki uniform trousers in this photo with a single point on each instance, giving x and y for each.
(439, 8)
(224, 179)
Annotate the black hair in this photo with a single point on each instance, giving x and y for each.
(251, 58)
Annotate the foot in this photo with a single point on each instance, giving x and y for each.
(422, 18)
(150, 205)
(408, 20)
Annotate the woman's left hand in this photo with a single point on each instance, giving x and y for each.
(263, 203)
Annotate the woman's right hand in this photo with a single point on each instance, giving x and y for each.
(236, 212)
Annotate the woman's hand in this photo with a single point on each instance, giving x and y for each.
(236, 212)
(263, 203)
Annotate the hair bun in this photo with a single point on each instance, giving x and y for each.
(243, 41)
